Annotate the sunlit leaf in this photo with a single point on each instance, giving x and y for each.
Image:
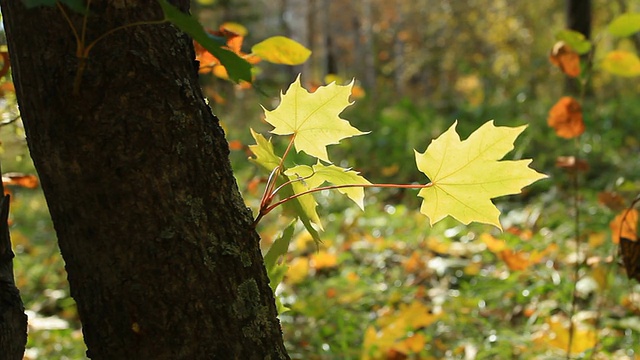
(466, 175)
(281, 50)
(302, 207)
(625, 25)
(263, 150)
(313, 117)
(320, 174)
(621, 63)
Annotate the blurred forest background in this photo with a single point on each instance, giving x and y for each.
(384, 284)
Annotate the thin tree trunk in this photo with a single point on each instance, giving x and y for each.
(578, 13)
(161, 255)
(13, 321)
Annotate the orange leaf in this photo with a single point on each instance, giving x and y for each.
(413, 263)
(565, 117)
(18, 179)
(5, 63)
(235, 145)
(520, 260)
(566, 59)
(628, 229)
(494, 245)
(515, 260)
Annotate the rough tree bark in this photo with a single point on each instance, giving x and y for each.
(13, 321)
(161, 255)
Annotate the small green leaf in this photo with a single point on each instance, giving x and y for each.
(625, 25)
(275, 271)
(281, 50)
(575, 40)
(340, 176)
(279, 248)
(237, 68)
(263, 150)
(334, 175)
(306, 204)
(621, 63)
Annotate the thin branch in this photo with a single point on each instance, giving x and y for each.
(333, 187)
(79, 43)
(122, 27)
(83, 33)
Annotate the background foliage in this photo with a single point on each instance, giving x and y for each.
(384, 284)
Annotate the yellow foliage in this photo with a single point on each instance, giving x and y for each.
(298, 270)
(323, 259)
(394, 329)
(556, 335)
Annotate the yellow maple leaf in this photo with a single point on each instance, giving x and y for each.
(466, 175)
(313, 118)
(556, 335)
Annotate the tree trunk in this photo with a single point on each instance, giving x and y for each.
(13, 321)
(578, 14)
(161, 255)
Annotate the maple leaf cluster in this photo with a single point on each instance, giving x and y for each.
(464, 175)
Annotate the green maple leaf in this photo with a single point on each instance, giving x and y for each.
(313, 117)
(320, 174)
(466, 175)
(263, 150)
(303, 207)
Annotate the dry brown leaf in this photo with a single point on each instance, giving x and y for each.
(565, 117)
(628, 229)
(566, 59)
